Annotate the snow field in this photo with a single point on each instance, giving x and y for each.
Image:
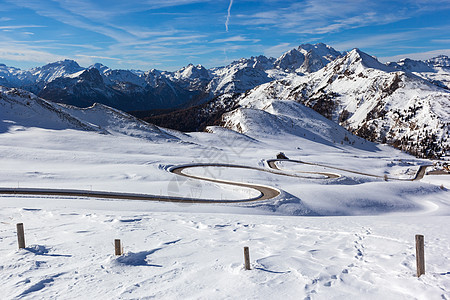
(361, 246)
(200, 255)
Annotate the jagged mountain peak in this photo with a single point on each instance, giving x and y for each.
(54, 70)
(370, 99)
(306, 58)
(92, 75)
(192, 72)
(290, 60)
(320, 49)
(68, 64)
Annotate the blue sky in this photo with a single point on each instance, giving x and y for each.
(169, 34)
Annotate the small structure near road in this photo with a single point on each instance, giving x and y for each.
(281, 155)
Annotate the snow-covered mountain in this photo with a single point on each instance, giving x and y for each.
(372, 100)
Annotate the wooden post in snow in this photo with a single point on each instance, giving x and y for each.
(420, 255)
(20, 235)
(247, 258)
(117, 247)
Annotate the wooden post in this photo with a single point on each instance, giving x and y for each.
(117, 247)
(20, 235)
(420, 255)
(247, 258)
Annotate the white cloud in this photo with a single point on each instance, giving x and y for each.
(228, 15)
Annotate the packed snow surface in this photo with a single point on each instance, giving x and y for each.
(350, 237)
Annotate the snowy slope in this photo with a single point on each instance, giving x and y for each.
(116, 121)
(21, 110)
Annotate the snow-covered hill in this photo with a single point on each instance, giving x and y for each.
(279, 119)
(21, 110)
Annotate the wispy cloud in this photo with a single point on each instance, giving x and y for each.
(228, 15)
(416, 56)
(322, 17)
(24, 53)
(443, 41)
(237, 38)
(99, 11)
(375, 40)
(20, 27)
(277, 50)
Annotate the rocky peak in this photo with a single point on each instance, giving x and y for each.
(67, 64)
(192, 72)
(440, 61)
(290, 61)
(357, 61)
(55, 70)
(306, 58)
(102, 68)
(322, 50)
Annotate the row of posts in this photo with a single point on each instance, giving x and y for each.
(118, 250)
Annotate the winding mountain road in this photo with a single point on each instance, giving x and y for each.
(265, 192)
(419, 175)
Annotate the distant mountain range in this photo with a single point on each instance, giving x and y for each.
(66, 82)
(404, 103)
